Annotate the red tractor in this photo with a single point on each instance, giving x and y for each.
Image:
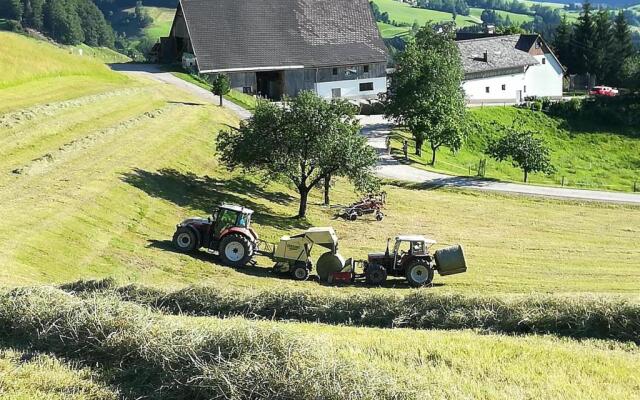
(227, 233)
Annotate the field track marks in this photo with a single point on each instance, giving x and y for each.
(86, 203)
(49, 160)
(55, 90)
(40, 111)
(32, 141)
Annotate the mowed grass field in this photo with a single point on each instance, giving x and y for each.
(586, 156)
(94, 178)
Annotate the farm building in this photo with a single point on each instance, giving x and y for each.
(276, 48)
(507, 69)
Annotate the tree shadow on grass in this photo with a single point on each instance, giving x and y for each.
(251, 269)
(204, 193)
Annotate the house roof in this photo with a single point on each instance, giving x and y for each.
(229, 35)
(503, 53)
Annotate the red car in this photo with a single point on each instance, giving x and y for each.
(603, 91)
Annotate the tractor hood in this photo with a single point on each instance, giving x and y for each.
(194, 222)
(377, 256)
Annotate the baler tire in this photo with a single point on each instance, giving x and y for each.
(300, 272)
(243, 248)
(379, 216)
(353, 216)
(375, 275)
(414, 273)
(179, 237)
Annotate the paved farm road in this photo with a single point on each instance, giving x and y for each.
(377, 128)
(155, 72)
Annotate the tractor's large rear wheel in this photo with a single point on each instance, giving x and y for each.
(235, 250)
(185, 240)
(419, 274)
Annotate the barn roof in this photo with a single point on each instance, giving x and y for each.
(503, 53)
(263, 34)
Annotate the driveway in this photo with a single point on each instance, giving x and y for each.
(153, 71)
(376, 128)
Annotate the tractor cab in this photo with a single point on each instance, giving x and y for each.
(227, 216)
(409, 247)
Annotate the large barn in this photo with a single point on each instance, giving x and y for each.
(279, 47)
(508, 69)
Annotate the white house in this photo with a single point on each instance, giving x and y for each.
(507, 69)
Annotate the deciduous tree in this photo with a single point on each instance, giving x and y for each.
(425, 92)
(304, 141)
(221, 86)
(525, 151)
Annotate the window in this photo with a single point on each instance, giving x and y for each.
(366, 69)
(544, 60)
(504, 87)
(247, 90)
(335, 71)
(336, 93)
(486, 89)
(366, 86)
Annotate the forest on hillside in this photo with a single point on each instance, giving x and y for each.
(66, 21)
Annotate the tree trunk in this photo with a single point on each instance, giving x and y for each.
(526, 175)
(327, 187)
(220, 100)
(304, 195)
(433, 154)
(419, 143)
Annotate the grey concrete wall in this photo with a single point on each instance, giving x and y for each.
(239, 80)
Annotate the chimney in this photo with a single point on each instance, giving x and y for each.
(485, 56)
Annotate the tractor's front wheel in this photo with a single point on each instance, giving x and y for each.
(235, 250)
(419, 274)
(185, 240)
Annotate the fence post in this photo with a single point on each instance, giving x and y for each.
(563, 181)
(635, 186)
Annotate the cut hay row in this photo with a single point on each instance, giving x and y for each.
(152, 357)
(576, 317)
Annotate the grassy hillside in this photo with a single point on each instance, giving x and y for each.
(61, 75)
(515, 18)
(588, 157)
(404, 13)
(388, 31)
(98, 168)
(162, 20)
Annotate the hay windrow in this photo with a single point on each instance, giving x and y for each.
(571, 316)
(163, 359)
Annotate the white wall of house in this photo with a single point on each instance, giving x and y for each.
(351, 88)
(476, 89)
(544, 79)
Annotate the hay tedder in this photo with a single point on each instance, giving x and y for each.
(370, 204)
(229, 235)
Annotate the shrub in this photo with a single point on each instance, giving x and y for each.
(152, 357)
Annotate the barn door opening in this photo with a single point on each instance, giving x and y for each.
(270, 84)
